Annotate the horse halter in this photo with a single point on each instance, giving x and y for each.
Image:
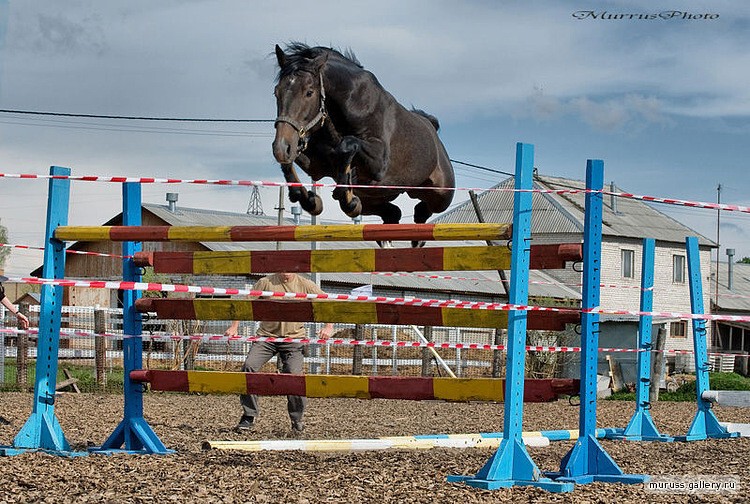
(304, 131)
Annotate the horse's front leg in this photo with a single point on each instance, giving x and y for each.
(310, 202)
(345, 152)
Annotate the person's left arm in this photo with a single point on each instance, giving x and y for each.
(20, 316)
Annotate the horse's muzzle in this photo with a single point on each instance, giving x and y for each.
(285, 144)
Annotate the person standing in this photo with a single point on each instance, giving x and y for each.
(290, 354)
(24, 321)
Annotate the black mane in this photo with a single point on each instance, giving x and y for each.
(300, 58)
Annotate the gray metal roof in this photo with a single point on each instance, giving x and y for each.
(564, 213)
(738, 299)
(486, 283)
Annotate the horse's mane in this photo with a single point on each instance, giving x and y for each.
(300, 57)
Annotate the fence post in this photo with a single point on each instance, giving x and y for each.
(657, 365)
(22, 353)
(357, 354)
(426, 354)
(100, 347)
(497, 355)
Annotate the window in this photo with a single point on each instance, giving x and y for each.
(678, 329)
(678, 269)
(628, 261)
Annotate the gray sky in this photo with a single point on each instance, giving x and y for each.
(664, 102)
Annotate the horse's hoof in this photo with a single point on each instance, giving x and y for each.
(295, 195)
(353, 208)
(313, 205)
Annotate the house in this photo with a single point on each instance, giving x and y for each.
(732, 298)
(559, 218)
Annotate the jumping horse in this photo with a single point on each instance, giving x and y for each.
(334, 119)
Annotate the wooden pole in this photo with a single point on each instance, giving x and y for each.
(100, 348)
(658, 365)
(22, 353)
(359, 334)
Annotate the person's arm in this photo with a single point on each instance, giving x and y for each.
(233, 329)
(326, 332)
(20, 316)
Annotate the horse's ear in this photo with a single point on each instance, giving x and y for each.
(280, 56)
(322, 62)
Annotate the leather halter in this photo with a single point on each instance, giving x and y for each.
(319, 119)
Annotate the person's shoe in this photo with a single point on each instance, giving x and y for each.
(298, 425)
(246, 424)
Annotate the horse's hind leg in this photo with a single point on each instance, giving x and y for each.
(390, 213)
(422, 212)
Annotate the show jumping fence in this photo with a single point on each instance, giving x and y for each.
(510, 465)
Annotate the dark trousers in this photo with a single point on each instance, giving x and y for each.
(292, 361)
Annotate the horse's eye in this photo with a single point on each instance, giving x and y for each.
(309, 93)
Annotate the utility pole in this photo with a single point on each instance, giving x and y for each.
(718, 244)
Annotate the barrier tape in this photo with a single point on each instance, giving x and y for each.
(221, 338)
(228, 182)
(437, 303)
(67, 251)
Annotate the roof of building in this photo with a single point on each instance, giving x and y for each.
(738, 298)
(554, 213)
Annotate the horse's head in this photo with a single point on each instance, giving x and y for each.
(300, 105)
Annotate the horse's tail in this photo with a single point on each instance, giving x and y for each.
(429, 117)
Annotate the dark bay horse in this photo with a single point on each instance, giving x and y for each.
(334, 119)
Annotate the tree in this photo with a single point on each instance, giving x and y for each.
(4, 251)
(745, 260)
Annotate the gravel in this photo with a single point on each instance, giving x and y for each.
(183, 422)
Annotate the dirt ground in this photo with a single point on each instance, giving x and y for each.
(191, 474)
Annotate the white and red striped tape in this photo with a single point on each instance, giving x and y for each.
(438, 303)
(227, 182)
(67, 251)
(219, 338)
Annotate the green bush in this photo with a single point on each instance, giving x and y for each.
(687, 391)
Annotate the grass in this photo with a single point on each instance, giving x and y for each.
(687, 391)
(84, 375)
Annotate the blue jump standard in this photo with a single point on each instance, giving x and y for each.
(705, 424)
(641, 426)
(511, 464)
(42, 431)
(133, 434)
(587, 461)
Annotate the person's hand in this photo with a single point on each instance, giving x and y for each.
(326, 332)
(232, 330)
(23, 319)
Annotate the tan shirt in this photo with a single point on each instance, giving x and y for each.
(296, 284)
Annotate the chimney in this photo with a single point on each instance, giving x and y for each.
(730, 272)
(612, 197)
(172, 200)
(296, 212)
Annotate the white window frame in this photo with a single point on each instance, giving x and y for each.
(678, 268)
(627, 263)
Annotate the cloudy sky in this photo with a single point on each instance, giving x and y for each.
(664, 101)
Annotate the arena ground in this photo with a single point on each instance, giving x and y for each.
(183, 422)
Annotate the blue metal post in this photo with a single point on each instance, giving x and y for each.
(133, 434)
(42, 430)
(705, 424)
(587, 461)
(511, 464)
(641, 426)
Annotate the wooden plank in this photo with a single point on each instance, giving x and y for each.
(361, 387)
(336, 232)
(344, 312)
(354, 260)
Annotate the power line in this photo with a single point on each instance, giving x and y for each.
(132, 118)
(185, 119)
